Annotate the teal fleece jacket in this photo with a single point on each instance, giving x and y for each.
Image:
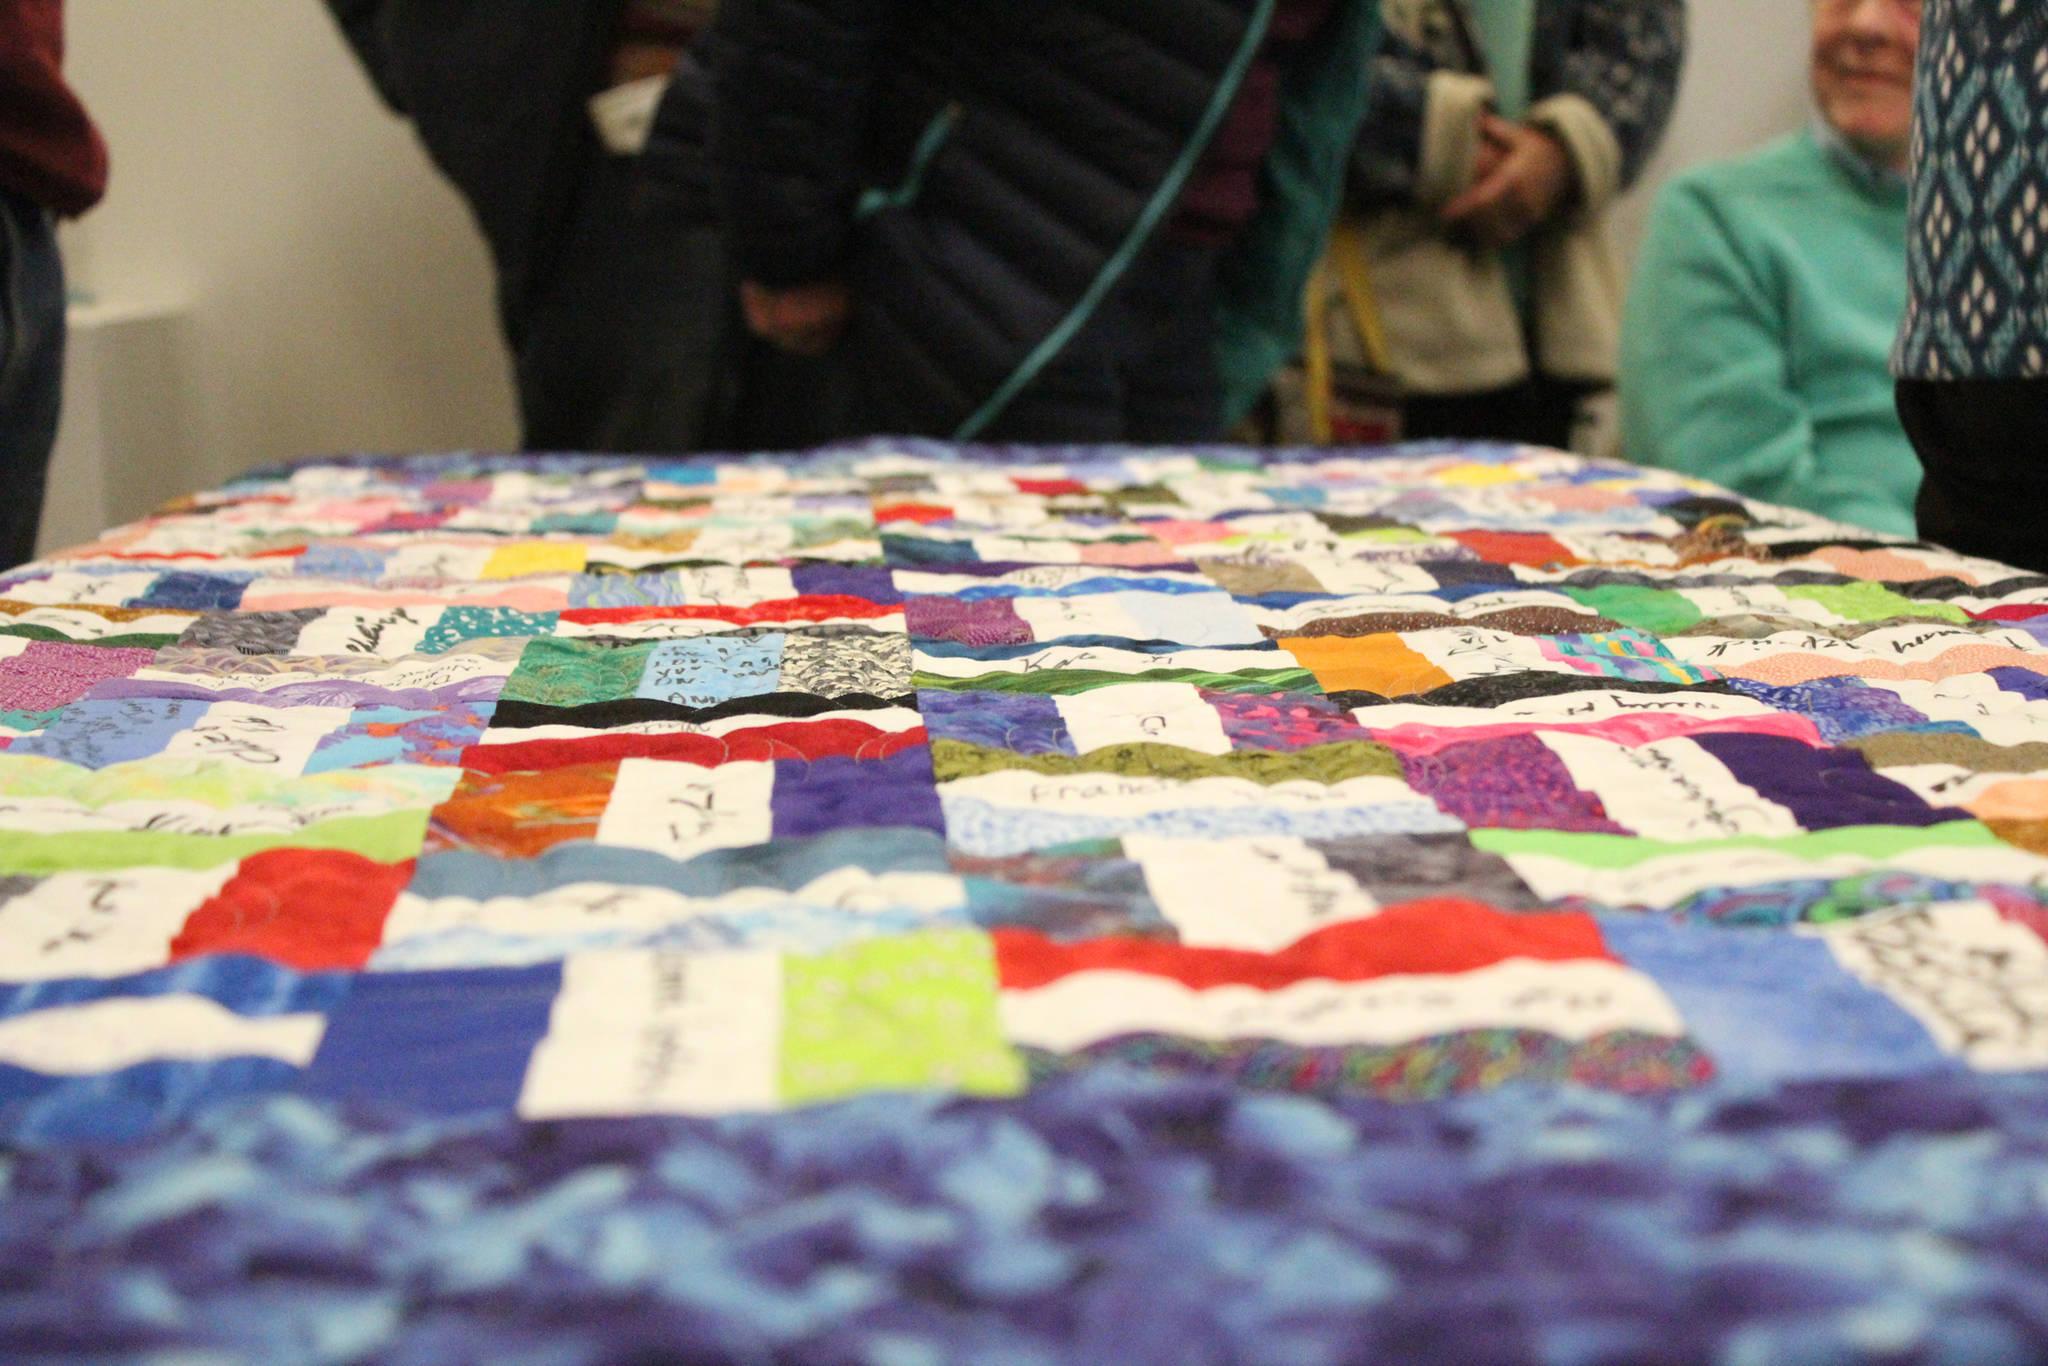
(1755, 348)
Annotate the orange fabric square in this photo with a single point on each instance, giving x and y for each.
(1383, 664)
(520, 815)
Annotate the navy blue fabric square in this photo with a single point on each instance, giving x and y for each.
(439, 1042)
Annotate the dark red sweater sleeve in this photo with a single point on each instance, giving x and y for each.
(49, 149)
(1223, 193)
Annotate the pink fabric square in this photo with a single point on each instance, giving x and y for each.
(56, 673)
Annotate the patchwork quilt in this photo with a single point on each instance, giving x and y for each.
(907, 905)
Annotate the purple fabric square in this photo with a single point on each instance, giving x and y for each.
(458, 492)
(55, 673)
(1283, 722)
(407, 521)
(1511, 783)
(1023, 723)
(988, 621)
(819, 795)
(1825, 789)
(2025, 682)
(1841, 709)
(847, 581)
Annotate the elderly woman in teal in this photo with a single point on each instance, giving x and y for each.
(1499, 134)
(1756, 347)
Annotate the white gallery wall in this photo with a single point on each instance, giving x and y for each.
(302, 280)
(277, 272)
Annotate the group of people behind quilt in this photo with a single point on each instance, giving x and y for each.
(768, 223)
(772, 223)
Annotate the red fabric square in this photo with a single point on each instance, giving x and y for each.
(1532, 548)
(317, 910)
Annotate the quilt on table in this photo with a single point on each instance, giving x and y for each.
(903, 906)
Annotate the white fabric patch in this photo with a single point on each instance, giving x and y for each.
(1928, 639)
(1947, 784)
(1759, 599)
(723, 586)
(1912, 644)
(1601, 706)
(438, 561)
(593, 908)
(414, 671)
(106, 1036)
(683, 628)
(1130, 795)
(1196, 619)
(1473, 652)
(736, 544)
(176, 816)
(385, 632)
(278, 740)
(1664, 882)
(636, 1033)
(1108, 660)
(1143, 713)
(1009, 548)
(1577, 1000)
(93, 626)
(2001, 717)
(105, 590)
(1978, 982)
(1671, 790)
(919, 583)
(682, 810)
(1257, 894)
(101, 924)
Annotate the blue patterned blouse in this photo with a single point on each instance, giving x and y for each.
(1977, 254)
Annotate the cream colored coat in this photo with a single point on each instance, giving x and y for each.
(1449, 311)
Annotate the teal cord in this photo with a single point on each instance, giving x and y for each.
(1162, 200)
(912, 185)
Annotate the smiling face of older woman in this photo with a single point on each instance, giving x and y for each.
(1863, 73)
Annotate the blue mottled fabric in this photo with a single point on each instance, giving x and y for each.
(1978, 253)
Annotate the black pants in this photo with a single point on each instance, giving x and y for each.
(635, 343)
(1539, 411)
(31, 368)
(1984, 447)
(1143, 368)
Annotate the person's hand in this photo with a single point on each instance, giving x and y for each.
(805, 319)
(1524, 187)
(1492, 152)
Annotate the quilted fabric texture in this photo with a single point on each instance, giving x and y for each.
(906, 905)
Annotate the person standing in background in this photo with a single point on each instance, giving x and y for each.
(576, 131)
(1500, 134)
(1972, 358)
(1769, 291)
(53, 164)
(1067, 220)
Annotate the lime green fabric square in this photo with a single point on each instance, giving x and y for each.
(909, 1012)
(1875, 602)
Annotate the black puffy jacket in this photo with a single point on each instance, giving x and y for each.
(981, 170)
(497, 91)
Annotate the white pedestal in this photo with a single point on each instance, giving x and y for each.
(126, 422)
